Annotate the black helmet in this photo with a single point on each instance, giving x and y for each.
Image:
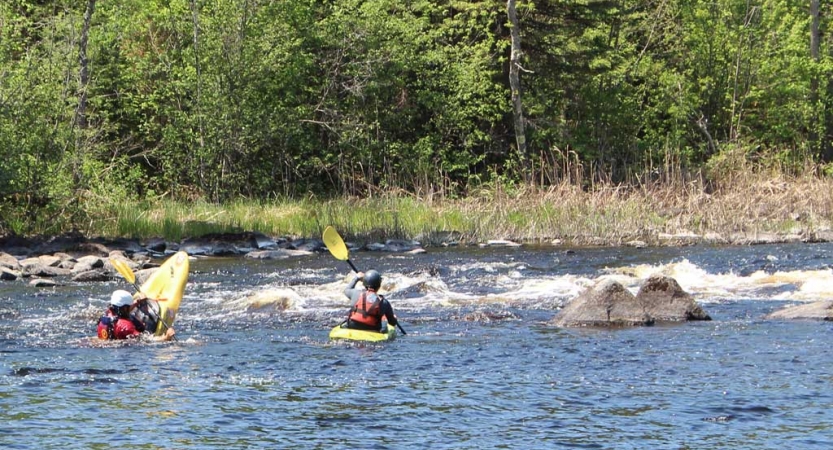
(372, 279)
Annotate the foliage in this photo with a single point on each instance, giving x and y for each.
(259, 100)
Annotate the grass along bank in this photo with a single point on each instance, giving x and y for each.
(605, 215)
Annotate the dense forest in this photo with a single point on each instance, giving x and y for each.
(105, 101)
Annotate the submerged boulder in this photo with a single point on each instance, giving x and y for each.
(607, 304)
(280, 253)
(42, 282)
(268, 300)
(665, 301)
(821, 310)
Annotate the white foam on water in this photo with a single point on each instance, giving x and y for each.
(808, 285)
(812, 285)
(509, 284)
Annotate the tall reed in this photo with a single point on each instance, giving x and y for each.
(731, 195)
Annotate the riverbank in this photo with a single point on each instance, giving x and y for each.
(749, 210)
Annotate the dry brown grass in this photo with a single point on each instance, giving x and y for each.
(736, 203)
(757, 204)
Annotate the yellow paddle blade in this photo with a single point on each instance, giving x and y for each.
(335, 244)
(124, 270)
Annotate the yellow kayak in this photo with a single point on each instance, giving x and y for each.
(167, 285)
(342, 332)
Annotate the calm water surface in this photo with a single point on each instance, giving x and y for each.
(480, 366)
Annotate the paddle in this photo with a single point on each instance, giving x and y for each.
(126, 272)
(335, 244)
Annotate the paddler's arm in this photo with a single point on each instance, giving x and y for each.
(165, 337)
(351, 290)
(387, 310)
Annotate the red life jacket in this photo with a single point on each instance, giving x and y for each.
(125, 328)
(105, 327)
(367, 314)
(106, 324)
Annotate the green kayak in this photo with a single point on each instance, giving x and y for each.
(341, 332)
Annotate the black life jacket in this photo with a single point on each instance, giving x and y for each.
(147, 314)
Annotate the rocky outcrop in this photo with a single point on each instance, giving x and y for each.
(89, 260)
(142, 275)
(93, 275)
(665, 301)
(87, 263)
(10, 262)
(41, 270)
(9, 274)
(607, 304)
(821, 310)
(67, 247)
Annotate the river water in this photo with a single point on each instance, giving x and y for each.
(479, 368)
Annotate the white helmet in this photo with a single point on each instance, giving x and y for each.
(121, 298)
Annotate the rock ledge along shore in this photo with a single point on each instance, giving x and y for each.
(88, 260)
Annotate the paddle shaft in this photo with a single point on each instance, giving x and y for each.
(352, 266)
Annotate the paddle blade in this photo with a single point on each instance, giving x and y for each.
(335, 244)
(124, 270)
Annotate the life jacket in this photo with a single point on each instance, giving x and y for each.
(105, 326)
(367, 314)
(147, 314)
(107, 322)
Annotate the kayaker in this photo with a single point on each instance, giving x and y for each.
(368, 306)
(118, 322)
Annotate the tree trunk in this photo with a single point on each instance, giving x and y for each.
(201, 136)
(818, 140)
(815, 34)
(80, 118)
(514, 78)
(84, 74)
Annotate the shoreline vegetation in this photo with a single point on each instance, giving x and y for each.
(653, 123)
(748, 209)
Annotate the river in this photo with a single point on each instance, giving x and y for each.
(480, 367)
